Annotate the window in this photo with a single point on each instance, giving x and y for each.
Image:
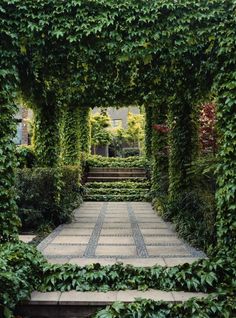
(116, 123)
(18, 138)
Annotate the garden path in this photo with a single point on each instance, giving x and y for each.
(109, 232)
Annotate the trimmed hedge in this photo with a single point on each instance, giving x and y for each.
(47, 195)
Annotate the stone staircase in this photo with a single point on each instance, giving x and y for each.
(75, 304)
(117, 184)
(115, 174)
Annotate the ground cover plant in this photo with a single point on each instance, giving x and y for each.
(129, 162)
(20, 259)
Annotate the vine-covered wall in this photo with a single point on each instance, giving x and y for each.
(46, 137)
(159, 151)
(148, 131)
(71, 135)
(84, 129)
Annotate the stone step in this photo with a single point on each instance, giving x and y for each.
(105, 169)
(119, 197)
(75, 304)
(117, 174)
(117, 178)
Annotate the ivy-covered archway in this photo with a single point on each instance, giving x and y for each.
(66, 56)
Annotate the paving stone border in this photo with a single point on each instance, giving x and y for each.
(44, 243)
(137, 235)
(93, 241)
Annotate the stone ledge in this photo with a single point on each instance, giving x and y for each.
(105, 298)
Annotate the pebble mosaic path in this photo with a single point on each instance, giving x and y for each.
(109, 232)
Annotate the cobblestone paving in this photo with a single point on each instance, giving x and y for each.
(108, 232)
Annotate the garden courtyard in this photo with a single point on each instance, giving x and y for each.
(118, 199)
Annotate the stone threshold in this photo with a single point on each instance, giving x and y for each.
(106, 298)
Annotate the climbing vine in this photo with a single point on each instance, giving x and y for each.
(120, 50)
(148, 131)
(71, 134)
(84, 130)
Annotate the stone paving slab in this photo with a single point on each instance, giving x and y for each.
(116, 240)
(110, 232)
(114, 250)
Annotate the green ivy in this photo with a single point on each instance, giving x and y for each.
(71, 136)
(26, 270)
(159, 151)
(222, 306)
(129, 162)
(84, 130)
(148, 131)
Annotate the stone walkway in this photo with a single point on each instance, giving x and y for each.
(108, 232)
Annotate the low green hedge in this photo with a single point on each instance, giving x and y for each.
(47, 195)
(129, 162)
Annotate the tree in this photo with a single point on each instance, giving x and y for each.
(101, 135)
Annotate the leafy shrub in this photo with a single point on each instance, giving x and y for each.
(21, 270)
(43, 199)
(130, 152)
(194, 212)
(129, 162)
(119, 185)
(195, 220)
(25, 156)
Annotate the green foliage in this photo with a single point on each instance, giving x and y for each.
(119, 185)
(99, 129)
(71, 135)
(120, 51)
(135, 130)
(130, 152)
(46, 135)
(42, 201)
(202, 276)
(183, 140)
(226, 176)
(222, 306)
(129, 162)
(84, 130)
(148, 131)
(26, 270)
(195, 210)
(21, 271)
(118, 191)
(159, 145)
(25, 156)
